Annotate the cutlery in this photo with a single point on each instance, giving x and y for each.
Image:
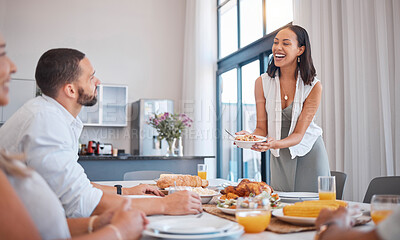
(230, 133)
(199, 215)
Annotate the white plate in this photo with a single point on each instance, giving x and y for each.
(297, 194)
(190, 226)
(299, 220)
(248, 144)
(294, 220)
(233, 233)
(227, 210)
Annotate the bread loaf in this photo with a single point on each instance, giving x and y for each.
(167, 180)
(311, 208)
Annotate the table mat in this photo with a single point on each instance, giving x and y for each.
(276, 225)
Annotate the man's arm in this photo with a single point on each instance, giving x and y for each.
(179, 203)
(136, 190)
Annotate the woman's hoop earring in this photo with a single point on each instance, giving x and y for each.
(298, 59)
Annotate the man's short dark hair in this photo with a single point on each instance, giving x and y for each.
(56, 68)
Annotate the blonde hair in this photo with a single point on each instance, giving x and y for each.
(8, 163)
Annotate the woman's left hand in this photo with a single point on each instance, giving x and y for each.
(264, 146)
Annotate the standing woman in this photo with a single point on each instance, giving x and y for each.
(287, 98)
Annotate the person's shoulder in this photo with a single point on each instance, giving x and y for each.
(265, 76)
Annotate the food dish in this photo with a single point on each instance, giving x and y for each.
(169, 180)
(230, 211)
(207, 198)
(247, 144)
(234, 231)
(303, 221)
(294, 220)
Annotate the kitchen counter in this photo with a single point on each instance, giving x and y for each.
(109, 168)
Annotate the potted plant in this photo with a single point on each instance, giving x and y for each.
(169, 127)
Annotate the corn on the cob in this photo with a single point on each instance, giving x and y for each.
(311, 208)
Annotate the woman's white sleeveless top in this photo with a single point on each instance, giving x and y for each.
(273, 106)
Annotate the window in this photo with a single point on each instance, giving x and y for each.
(251, 21)
(279, 13)
(228, 40)
(245, 35)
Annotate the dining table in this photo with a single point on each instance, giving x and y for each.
(268, 235)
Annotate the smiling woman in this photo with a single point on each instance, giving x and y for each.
(7, 67)
(287, 98)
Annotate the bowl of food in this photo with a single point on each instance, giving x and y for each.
(205, 194)
(247, 141)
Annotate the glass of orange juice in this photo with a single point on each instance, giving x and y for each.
(327, 187)
(253, 214)
(382, 206)
(202, 171)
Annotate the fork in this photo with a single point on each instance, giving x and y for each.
(229, 133)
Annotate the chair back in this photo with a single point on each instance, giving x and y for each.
(340, 178)
(382, 185)
(143, 175)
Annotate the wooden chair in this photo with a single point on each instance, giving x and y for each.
(340, 178)
(383, 185)
(143, 175)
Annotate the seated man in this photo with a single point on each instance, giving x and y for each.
(337, 225)
(47, 130)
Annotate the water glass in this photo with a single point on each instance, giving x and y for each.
(254, 214)
(382, 206)
(327, 187)
(202, 171)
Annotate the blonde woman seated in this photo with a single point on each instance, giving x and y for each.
(31, 210)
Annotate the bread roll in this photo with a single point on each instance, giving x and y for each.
(167, 180)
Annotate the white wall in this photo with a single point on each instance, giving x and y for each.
(138, 43)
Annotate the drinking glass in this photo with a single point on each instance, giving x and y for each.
(253, 213)
(382, 206)
(202, 171)
(326, 188)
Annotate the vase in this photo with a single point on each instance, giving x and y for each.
(171, 148)
(179, 150)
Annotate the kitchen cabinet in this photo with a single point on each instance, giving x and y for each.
(108, 168)
(110, 109)
(21, 90)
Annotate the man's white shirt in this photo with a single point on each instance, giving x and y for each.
(49, 136)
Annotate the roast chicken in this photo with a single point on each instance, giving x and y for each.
(245, 187)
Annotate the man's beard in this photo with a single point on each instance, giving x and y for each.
(85, 99)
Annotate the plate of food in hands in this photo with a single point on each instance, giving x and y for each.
(306, 213)
(247, 141)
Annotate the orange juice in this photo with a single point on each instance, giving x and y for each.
(327, 195)
(202, 175)
(380, 215)
(253, 221)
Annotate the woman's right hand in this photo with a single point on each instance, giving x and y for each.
(130, 222)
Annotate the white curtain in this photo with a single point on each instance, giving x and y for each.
(355, 47)
(199, 80)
